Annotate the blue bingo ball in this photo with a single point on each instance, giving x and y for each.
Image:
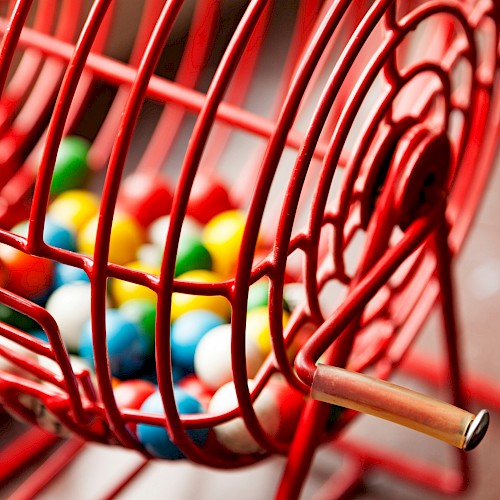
(68, 274)
(39, 334)
(57, 235)
(126, 345)
(54, 234)
(155, 439)
(186, 333)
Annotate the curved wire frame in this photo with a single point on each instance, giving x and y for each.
(367, 90)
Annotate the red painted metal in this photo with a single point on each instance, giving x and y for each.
(408, 183)
(49, 470)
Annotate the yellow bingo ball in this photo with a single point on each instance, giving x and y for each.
(122, 291)
(222, 237)
(126, 237)
(257, 327)
(182, 303)
(74, 208)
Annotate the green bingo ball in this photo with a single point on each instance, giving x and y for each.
(17, 319)
(258, 296)
(71, 169)
(192, 255)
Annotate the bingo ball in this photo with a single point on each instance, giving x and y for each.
(186, 333)
(57, 235)
(212, 359)
(125, 342)
(233, 434)
(182, 302)
(54, 233)
(132, 393)
(290, 404)
(74, 208)
(150, 254)
(145, 197)
(125, 239)
(17, 319)
(191, 255)
(258, 296)
(69, 305)
(123, 291)
(70, 169)
(64, 274)
(142, 312)
(193, 386)
(257, 327)
(26, 275)
(209, 197)
(155, 439)
(158, 230)
(191, 252)
(222, 236)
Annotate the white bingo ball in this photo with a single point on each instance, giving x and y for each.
(233, 434)
(150, 254)
(158, 229)
(69, 305)
(212, 358)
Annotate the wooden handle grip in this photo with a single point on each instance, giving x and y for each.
(400, 405)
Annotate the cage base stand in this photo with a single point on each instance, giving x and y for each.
(49, 470)
(361, 459)
(23, 451)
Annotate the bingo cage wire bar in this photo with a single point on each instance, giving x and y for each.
(385, 122)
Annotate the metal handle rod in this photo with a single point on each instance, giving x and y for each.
(398, 404)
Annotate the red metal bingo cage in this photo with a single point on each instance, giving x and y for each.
(327, 159)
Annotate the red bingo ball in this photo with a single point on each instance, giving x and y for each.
(25, 275)
(290, 403)
(208, 198)
(145, 197)
(131, 394)
(193, 386)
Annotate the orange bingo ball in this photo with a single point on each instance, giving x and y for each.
(25, 274)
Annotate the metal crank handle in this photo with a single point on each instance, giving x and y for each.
(400, 405)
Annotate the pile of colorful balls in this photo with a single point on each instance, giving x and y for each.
(200, 325)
